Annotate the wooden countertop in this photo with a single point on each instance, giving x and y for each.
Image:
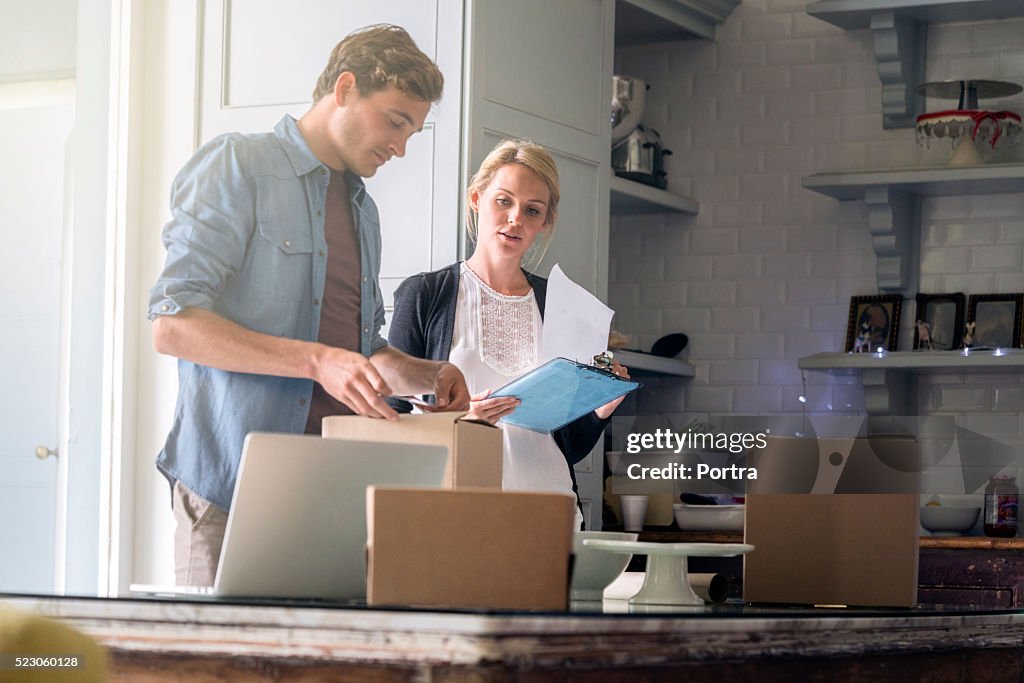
(672, 535)
(972, 542)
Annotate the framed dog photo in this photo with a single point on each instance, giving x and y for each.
(939, 322)
(874, 322)
(996, 319)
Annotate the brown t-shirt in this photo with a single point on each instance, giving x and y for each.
(339, 310)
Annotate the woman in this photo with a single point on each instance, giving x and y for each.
(485, 314)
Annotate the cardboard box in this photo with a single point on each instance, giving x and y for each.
(475, 448)
(848, 547)
(468, 548)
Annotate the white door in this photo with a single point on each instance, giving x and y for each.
(33, 137)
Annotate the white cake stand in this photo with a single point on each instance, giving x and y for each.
(666, 581)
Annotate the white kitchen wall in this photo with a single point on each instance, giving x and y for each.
(764, 274)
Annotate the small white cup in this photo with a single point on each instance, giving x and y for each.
(634, 512)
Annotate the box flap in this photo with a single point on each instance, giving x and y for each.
(475, 449)
(429, 428)
(473, 442)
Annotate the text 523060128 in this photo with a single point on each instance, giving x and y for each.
(10, 662)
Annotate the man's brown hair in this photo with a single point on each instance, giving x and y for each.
(381, 55)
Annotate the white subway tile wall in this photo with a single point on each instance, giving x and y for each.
(764, 274)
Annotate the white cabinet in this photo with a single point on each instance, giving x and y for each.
(541, 70)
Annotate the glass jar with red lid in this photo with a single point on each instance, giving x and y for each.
(1001, 506)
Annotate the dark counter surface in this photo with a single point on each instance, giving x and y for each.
(301, 640)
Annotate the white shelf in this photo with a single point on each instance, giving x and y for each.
(893, 199)
(629, 197)
(651, 21)
(856, 14)
(917, 362)
(657, 364)
(933, 181)
(888, 378)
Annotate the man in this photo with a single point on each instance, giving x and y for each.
(269, 294)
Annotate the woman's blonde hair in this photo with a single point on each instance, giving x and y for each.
(381, 55)
(533, 157)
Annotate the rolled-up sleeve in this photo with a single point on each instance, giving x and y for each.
(212, 221)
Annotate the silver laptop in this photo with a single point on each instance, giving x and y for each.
(297, 524)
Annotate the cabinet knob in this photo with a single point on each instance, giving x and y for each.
(42, 452)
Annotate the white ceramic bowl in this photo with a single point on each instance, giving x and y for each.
(708, 517)
(594, 569)
(948, 520)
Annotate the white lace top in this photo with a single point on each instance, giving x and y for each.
(496, 339)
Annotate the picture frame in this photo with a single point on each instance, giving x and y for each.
(874, 323)
(944, 316)
(996, 318)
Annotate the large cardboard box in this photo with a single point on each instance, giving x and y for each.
(468, 548)
(833, 521)
(475, 448)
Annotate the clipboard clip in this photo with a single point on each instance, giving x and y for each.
(603, 363)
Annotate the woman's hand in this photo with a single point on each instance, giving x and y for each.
(605, 411)
(490, 409)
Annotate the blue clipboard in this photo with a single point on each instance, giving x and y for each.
(559, 392)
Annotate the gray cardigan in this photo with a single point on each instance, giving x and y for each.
(423, 323)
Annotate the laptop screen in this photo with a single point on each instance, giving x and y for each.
(297, 524)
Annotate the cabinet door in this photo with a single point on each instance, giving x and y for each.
(542, 70)
(260, 60)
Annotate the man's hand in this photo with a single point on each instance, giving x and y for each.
(491, 409)
(407, 375)
(352, 379)
(450, 388)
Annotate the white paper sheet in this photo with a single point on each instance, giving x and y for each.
(576, 323)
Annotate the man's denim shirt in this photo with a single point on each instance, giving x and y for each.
(246, 241)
